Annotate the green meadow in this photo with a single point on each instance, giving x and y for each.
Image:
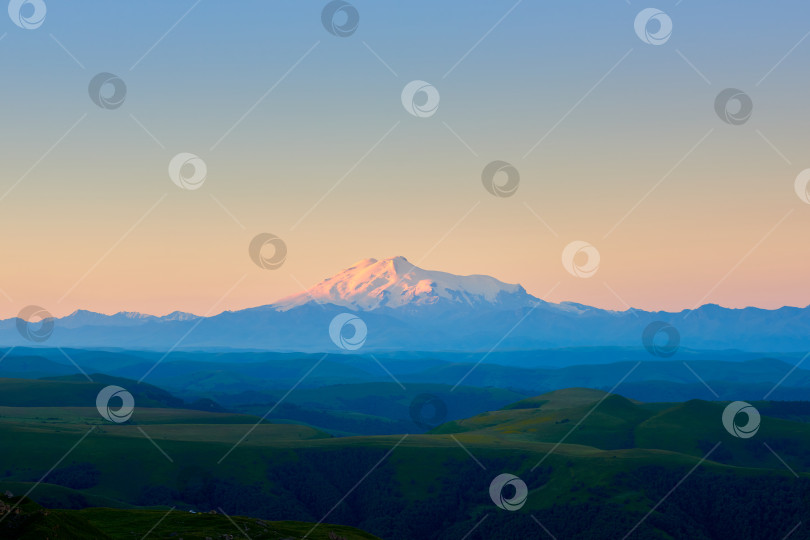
(617, 458)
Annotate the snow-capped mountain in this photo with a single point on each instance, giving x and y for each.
(407, 308)
(396, 283)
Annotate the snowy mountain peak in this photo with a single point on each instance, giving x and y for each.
(179, 316)
(395, 282)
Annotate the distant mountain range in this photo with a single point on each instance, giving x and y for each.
(404, 307)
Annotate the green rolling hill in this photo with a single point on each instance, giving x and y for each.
(30, 521)
(617, 460)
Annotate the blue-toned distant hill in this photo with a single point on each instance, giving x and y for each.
(406, 308)
(347, 394)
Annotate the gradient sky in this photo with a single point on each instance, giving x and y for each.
(723, 224)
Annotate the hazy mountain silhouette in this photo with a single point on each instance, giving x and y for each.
(408, 308)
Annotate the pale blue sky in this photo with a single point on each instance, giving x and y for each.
(615, 115)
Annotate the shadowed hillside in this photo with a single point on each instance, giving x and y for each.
(594, 465)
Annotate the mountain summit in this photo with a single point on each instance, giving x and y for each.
(407, 308)
(395, 283)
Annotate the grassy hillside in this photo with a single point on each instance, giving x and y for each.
(367, 408)
(77, 391)
(551, 417)
(28, 520)
(24, 519)
(618, 459)
(559, 399)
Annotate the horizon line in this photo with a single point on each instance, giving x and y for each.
(180, 311)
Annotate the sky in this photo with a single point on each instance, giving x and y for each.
(617, 142)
